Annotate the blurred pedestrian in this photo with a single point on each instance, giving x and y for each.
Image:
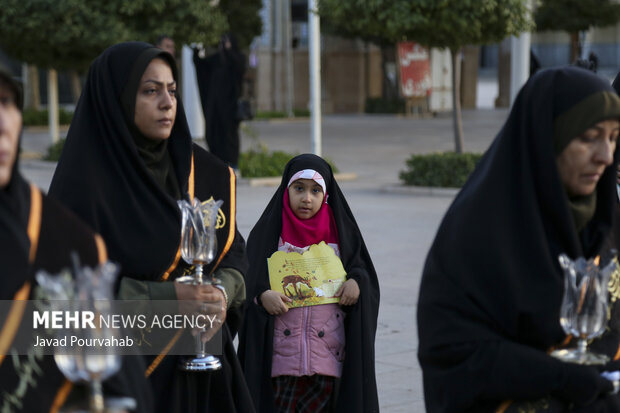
(220, 82)
(166, 43)
(534, 63)
(593, 58)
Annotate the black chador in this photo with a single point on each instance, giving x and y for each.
(127, 186)
(357, 388)
(220, 78)
(492, 286)
(37, 233)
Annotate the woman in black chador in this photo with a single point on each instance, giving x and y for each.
(492, 286)
(220, 81)
(128, 158)
(37, 233)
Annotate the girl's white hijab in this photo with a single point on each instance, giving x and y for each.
(309, 174)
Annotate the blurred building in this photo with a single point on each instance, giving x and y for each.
(350, 69)
(553, 48)
(17, 69)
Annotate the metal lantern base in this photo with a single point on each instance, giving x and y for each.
(206, 363)
(203, 361)
(579, 357)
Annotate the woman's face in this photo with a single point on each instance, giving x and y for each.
(10, 126)
(305, 197)
(582, 163)
(156, 102)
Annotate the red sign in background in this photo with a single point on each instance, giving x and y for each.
(415, 69)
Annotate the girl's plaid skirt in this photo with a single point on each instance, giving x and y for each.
(305, 394)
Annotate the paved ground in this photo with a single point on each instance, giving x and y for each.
(398, 227)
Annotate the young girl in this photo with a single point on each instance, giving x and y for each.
(318, 358)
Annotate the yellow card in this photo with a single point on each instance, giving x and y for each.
(311, 278)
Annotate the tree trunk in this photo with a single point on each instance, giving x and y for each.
(503, 74)
(575, 47)
(456, 101)
(469, 76)
(52, 104)
(76, 86)
(32, 94)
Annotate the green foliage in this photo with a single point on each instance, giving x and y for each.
(63, 34)
(248, 129)
(381, 105)
(257, 163)
(447, 170)
(69, 34)
(254, 163)
(261, 163)
(32, 117)
(54, 151)
(434, 23)
(185, 21)
(277, 114)
(443, 24)
(576, 15)
(243, 19)
(270, 114)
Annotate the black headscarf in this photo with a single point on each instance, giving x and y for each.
(491, 288)
(14, 208)
(615, 238)
(358, 392)
(15, 86)
(153, 152)
(616, 83)
(104, 179)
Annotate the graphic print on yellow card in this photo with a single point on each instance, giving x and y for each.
(311, 278)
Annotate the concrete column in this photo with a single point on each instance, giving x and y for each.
(26, 86)
(519, 60)
(314, 39)
(288, 52)
(278, 73)
(441, 81)
(191, 96)
(519, 63)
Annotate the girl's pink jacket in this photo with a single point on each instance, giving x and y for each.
(309, 340)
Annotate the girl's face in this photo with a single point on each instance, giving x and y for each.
(582, 163)
(305, 197)
(156, 102)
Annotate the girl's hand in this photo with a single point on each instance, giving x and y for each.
(348, 292)
(274, 302)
